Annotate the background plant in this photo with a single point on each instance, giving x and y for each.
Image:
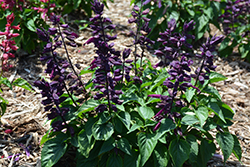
(202, 12)
(7, 46)
(29, 15)
(236, 26)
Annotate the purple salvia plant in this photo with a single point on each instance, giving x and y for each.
(56, 68)
(140, 36)
(235, 12)
(175, 55)
(106, 77)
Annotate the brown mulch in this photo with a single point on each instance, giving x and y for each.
(26, 117)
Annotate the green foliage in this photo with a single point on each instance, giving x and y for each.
(202, 12)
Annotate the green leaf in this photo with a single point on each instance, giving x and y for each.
(179, 151)
(102, 131)
(84, 145)
(190, 94)
(216, 77)
(216, 109)
(88, 127)
(194, 151)
(147, 143)
(166, 126)
(53, 150)
(146, 112)
(207, 150)
(244, 50)
(211, 90)
(31, 25)
(146, 84)
(160, 155)
(20, 82)
(123, 144)
(202, 22)
(133, 160)
(159, 80)
(174, 15)
(107, 146)
(226, 143)
(237, 149)
(189, 120)
(87, 106)
(202, 114)
(224, 44)
(77, 3)
(3, 106)
(114, 160)
(6, 82)
(209, 12)
(125, 118)
(86, 71)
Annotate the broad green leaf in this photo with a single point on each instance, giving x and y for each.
(114, 160)
(202, 22)
(20, 82)
(189, 120)
(166, 126)
(216, 109)
(202, 114)
(146, 84)
(194, 151)
(174, 15)
(125, 118)
(179, 151)
(77, 3)
(133, 160)
(88, 128)
(190, 94)
(102, 131)
(146, 112)
(31, 25)
(53, 150)
(123, 144)
(87, 106)
(211, 90)
(237, 149)
(244, 50)
(160, 155)
(86, 71)
(226, 143)
(6, 82)
(107, 145)
(224, 44)
(136, 125)
(209, 12)
(207, 150)
(84, 145)
(147, 143)
(159, 80)
(216, 77)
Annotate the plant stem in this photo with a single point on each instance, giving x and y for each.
(71, 65)
(64, 84)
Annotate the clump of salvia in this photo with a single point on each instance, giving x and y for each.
(57, 69)
(106, 75)
(140, 35)
(176, 53)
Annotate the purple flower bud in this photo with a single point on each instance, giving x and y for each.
(136, 8)
(64, 25)
(155, 96)
(145, 12)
